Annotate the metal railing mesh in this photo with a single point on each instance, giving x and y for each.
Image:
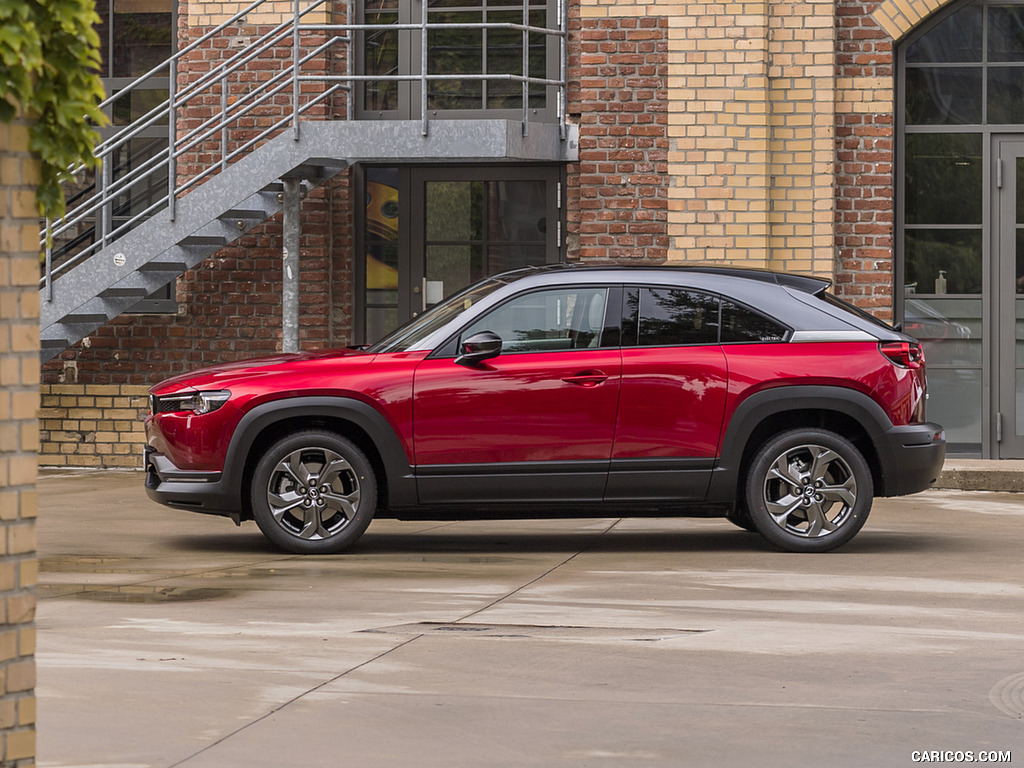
(214, 115)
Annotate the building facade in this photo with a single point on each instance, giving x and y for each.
(874, 144)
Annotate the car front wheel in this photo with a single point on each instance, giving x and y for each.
(313, 492)
(808, 490)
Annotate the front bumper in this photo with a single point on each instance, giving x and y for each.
(198, 491)
(911, 458)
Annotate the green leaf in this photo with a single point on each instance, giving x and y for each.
(49, 50)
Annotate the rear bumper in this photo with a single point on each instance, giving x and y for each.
(187, 489)
(911, 458)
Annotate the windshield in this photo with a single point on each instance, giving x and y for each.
(412, 333)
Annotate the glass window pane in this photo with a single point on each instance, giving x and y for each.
(1019, 337)
(740, 324)
(379, 322)
(950, 329)
(504, 56)
(1020, 404)
(380, 240)
(380, 55)
(454, 52)
(136, 104)
(671, 316)
(504, 258)
(1020, 194)
(955, 403)
(146, 188)
(942, 260)
(518, 211)
(142, 36)
(547, 321)
(1006, 33)
(943, 178)
(944, 96)
(1005, 95)
(455, 210)
(450, 268)
(454, 4)
(956, 38)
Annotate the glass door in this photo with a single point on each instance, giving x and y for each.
(428, 232)
(1008, 268)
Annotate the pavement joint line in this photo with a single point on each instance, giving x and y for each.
(293, 700)
(385, 653)
(546, 573)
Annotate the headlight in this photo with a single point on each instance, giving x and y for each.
(196, 402)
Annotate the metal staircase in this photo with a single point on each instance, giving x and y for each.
(115, 250)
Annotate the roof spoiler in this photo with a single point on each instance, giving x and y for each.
(803, 283)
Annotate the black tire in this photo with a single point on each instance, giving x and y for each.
(739, 517)
(808, 490)
(313, 493)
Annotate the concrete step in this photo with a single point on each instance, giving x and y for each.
(982, 475)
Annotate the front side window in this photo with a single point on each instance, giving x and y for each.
(547, 321)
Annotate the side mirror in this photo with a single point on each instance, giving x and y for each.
(479, 347)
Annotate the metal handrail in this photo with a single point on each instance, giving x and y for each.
(310, 47)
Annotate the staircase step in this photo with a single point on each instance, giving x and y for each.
(124, 293)
(82, 318)
(53, 343)
(164, 266)
(243, 213)
(201, 240)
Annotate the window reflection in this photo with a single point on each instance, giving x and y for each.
(380, 239)
(1006, 95)
(956, 38)
(944, 95)
(135, 36)
(548, 321)
(943, 178)
(941, 261)
(380, 56)
(1005, 33)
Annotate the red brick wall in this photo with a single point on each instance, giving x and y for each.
(864, 167)
(618, 191)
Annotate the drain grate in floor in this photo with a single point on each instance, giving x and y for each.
(537, 632)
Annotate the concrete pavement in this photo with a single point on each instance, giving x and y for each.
(171, 639)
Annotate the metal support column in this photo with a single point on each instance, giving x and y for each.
(290, 266)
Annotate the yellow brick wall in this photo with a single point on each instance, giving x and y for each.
(92, 425)
(19, 440)
(751, 122)
(206, 14)
(898, 17)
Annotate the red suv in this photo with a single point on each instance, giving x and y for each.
(565, 392)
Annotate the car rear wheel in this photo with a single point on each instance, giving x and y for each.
(809, 490)
(313, 492)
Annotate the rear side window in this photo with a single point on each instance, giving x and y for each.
(676, 316)
(741, 324)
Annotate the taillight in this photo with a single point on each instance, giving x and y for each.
(907, 354)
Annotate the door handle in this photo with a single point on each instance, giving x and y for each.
(586, 378)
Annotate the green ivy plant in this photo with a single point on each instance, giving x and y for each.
(49, 72)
